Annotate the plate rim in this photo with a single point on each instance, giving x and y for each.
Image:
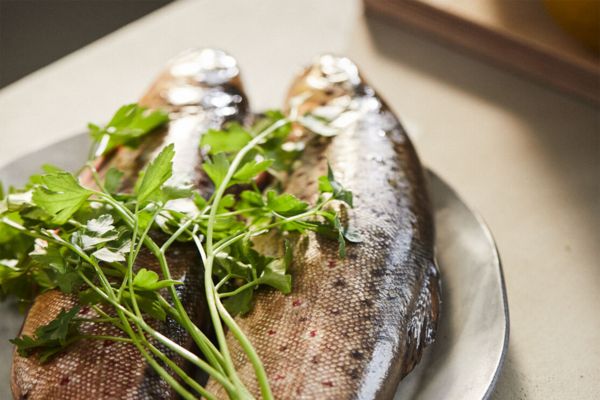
(498, 261)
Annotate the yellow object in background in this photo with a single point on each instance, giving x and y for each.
(580, 18)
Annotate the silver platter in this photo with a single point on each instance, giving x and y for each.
(467, 356)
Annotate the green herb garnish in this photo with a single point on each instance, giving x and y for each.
(127, 126)
(58, 234)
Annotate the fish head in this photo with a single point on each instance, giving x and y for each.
(329, 79)
(199, 80)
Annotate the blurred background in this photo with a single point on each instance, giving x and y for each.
(34, 33)
(553, 41)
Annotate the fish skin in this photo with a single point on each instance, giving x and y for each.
(201, 89)
(351, 328)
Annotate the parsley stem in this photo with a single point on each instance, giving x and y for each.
(181, 373)
(96, 320)
(121, 311)
(130, 261)
(174, 236)
(109, 295)
(174, 314)
(105, 337)
(215, 306)
(198, 336)
(95, 175)
(240, 289)
(222, 282)
(101, 312)
(211, 301)
(183, 352)
(236, 212)
(157, 367)
(224, 243)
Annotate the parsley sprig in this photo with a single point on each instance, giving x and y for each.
(58, 234)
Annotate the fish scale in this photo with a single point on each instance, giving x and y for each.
(353, 327)
(201, 89)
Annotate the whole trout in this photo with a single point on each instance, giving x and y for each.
(352, 327)
(201, 90)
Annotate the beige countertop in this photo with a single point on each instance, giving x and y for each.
(527, 158)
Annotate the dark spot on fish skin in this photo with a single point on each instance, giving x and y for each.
(357, 354)
(351, 255)
(270, 332)
(312, 333)
(354, 374)
(283, 348)
(327, 383)
(107, 343)
(24, 396)
(315, 359)
(65, 380)
(328, 92)
(278, 377)
(367, 302)
(377, 213)
(297, 303)
(331, 263)
(84, 310)
(378, 272)
(339, 283)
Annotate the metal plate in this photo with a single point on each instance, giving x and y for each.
(472, 339)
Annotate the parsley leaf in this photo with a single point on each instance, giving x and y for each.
(328, 184)
(157, 173)
(61, 197)
(112, 180)
(107, 255)
(341, 240)
(148, 303)
(241, 303)
(49, 339)
(252, 199)
(102, 225)
(275, 275)
(129, 123)
(146, 280)
(251, 169)
(217, 168)
(234, 138)
(285, 204)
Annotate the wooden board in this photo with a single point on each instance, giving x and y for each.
(517, 34)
